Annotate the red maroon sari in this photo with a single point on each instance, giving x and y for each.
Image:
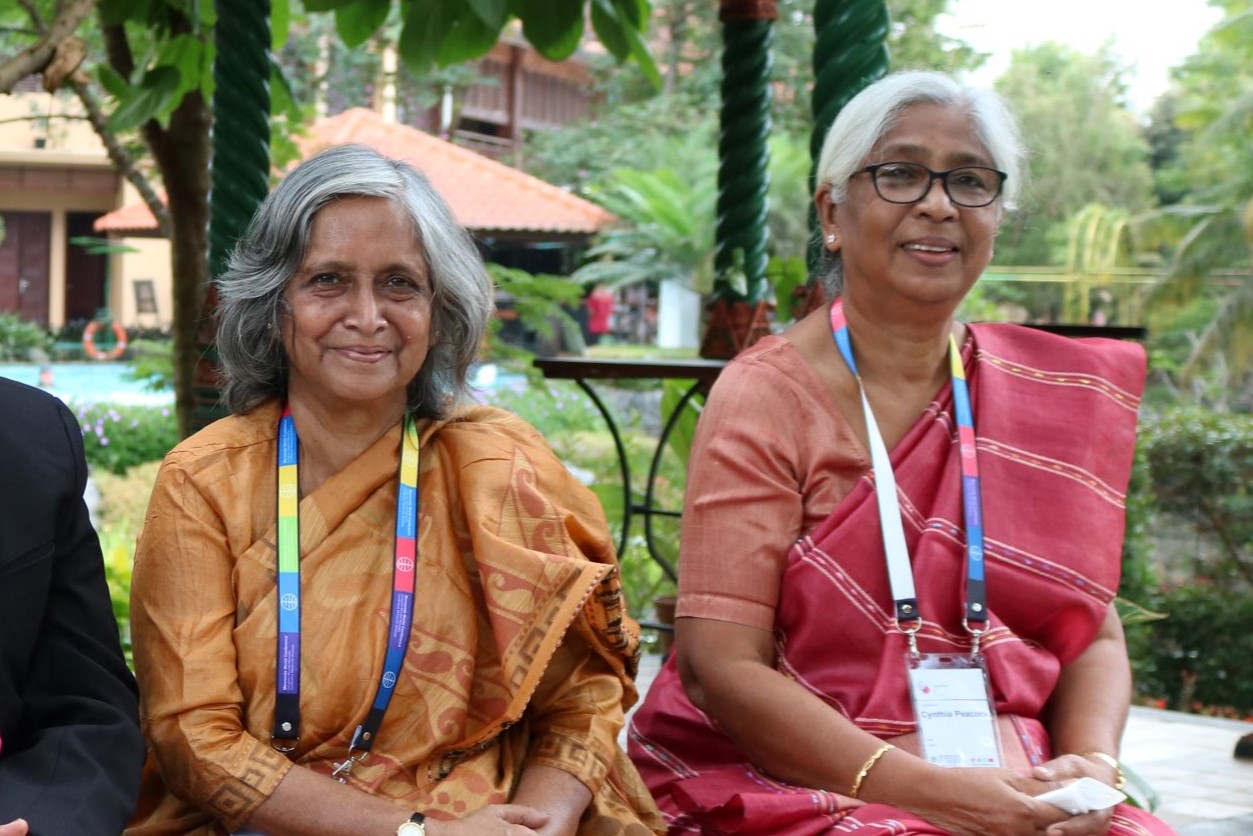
(1055, 420)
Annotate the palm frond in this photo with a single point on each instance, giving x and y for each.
(1229, 332)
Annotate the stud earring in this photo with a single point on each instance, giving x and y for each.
(831, 238)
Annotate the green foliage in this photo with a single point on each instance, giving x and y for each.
(557, 409)
(117, 543)
(580, 156)
(1198, 466)
(175, 57)
(1201, 466)
(19, 339)
(120, 515)
(665, 228)
(789, 196)
(1198, 656)
(789, 277)
(152, 363)
(1206, 168)
(1085, 146)
(683, 431)
(357, 21)
(1138, 578)
(117, 438)
(448, 32)
(540, 302)
(914, 42)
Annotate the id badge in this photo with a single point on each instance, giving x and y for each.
(953, 704)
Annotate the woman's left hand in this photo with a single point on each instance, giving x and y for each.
(1073, 767)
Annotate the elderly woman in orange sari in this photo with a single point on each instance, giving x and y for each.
(902, 533)
(362, 604)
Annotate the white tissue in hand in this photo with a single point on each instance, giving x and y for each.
(1083, 796)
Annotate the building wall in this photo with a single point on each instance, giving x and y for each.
(149, 261)
(33, 120)
(56, 166)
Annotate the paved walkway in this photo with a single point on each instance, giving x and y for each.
(1202, 790)
(1186, 759)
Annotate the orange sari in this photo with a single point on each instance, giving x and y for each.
(520, 652)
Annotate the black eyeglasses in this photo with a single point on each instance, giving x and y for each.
(971, 186)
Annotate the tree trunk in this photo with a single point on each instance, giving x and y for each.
(183, 151)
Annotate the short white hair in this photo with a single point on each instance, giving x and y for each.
(873, 112)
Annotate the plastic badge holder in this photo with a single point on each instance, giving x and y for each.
(1083, 796)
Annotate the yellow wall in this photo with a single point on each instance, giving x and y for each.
(71, 173)
(72, 134)
(150, 261)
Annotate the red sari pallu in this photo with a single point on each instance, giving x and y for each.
(1055, 420)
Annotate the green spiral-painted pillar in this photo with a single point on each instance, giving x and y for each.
(850, 52)
(241, 156)
(738, 319)
(241, 122)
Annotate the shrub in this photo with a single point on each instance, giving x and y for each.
(123, 501)
(119, 559)
(116, 438)
(152, 363)
(20, 339)
(1200, 472)
(1198, 656)
(1201, 469)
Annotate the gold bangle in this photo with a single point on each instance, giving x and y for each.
(1120, 778)
(869, 765)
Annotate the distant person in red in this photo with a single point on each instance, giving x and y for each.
(599, 313)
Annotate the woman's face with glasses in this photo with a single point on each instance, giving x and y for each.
(921, 216)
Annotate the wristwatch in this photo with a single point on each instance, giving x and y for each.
(416, 826)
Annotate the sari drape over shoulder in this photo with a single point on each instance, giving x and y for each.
(520, 651)
(1055, 421)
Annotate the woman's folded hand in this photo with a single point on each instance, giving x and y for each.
(1068, 768)
(493, 820)
(985, 802)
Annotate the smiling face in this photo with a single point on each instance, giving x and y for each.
(359, 308)
(927, 253)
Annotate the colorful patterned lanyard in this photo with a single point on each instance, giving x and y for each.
(900, 574)
(404, 574)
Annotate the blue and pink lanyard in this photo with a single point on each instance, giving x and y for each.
(404, 574)
(900, 573)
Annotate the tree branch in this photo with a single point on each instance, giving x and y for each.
(67, 117)
(34, 58)
(118, 155)
(122, 160)
(118, 48)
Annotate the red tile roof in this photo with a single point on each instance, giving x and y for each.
(132, 218)
(484, 195)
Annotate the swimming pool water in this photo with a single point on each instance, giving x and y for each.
(88, 383)
(105, 382)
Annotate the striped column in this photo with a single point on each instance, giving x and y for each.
(241, 159)
(737, 320)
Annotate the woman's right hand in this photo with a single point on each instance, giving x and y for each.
(493, 820)
(17, 827)
(985, 802)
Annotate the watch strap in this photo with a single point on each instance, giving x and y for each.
(416, 826)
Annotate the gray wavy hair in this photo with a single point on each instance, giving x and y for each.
(253, 361)
(874, 111)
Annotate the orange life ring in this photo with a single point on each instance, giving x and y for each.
(89, 341)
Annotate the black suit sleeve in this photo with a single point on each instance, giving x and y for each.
(72, 764)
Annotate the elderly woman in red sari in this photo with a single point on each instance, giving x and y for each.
(902, 533)
(362, 604)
